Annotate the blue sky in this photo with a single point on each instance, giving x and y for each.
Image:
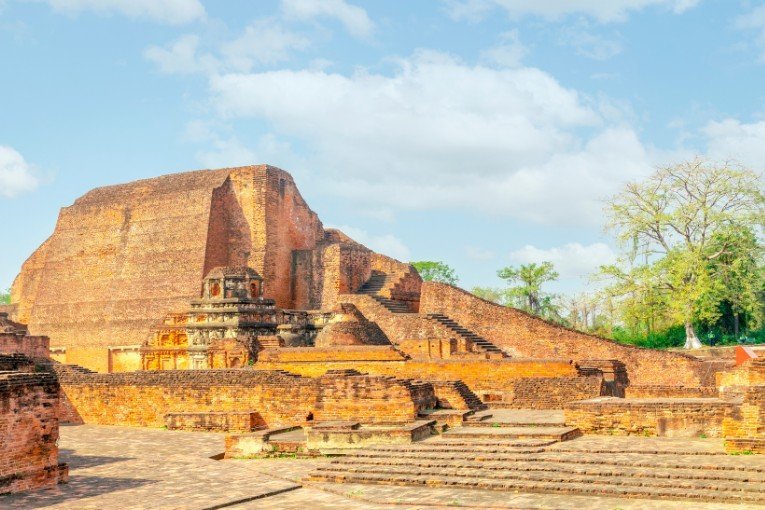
(478, 132)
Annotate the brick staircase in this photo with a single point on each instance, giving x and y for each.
(372, 288)
(522, 456)
(457, 395)
(481, 343)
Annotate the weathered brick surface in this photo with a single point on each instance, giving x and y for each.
(533, 337)
(144, 398)
(28, 432)
(650, 417)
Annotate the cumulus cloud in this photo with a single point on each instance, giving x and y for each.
(16, 175)
(572, 260)
(387, 244)
(174, 12)
(354, 18)
(440, 133)
(605, 11)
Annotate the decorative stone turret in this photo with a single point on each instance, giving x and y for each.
(220, 330)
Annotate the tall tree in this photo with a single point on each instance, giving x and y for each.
(526, 283)
(738, 278)
(434, 271)
(666, 226)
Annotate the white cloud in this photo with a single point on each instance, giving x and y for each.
(604, 11)
(572, 260)
(440, 133)
(589, 44)
(509, 53)
(174, 12)
(755, 21)
(181, 57)
(730, 139)
(16, 175)
(263, 42)
(354, 18)
(386, 244)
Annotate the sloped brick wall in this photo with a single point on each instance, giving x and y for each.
(536, 338)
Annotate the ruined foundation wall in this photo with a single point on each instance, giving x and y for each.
(533, 337)
(517, 383)
(28, 432)
(144, 398)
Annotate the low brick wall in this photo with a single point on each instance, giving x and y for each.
(639, 391)
(322, 354)
(552, 392)
(29, 432)
(144, 398)
(689, 417)
(215, 422)
(483, 377)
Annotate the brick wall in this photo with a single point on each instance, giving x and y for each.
(533, 337)
(32, 346)
(144, 398)
(372, 399)
(523, 381)
(28, 432)
(649, 417)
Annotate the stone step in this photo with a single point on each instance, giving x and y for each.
(586, 488)
(723, 479)
(557, 433)
(710, 490)
(673, 461)
(518, 423)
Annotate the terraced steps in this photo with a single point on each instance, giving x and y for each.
(581, 486)
(500, 458)
(508, 431)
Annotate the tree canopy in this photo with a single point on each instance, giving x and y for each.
(434, 271)
(5, 297)
(688, 235)
(525, 286)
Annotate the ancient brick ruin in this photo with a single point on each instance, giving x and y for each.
(216, 300)
(29, 404)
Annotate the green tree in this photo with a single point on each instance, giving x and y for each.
(490, 294)
(738, 279)
(433, 271)
(666, 226)
(525, 287)
(5, 297)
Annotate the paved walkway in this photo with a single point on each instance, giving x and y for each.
(133, 468)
